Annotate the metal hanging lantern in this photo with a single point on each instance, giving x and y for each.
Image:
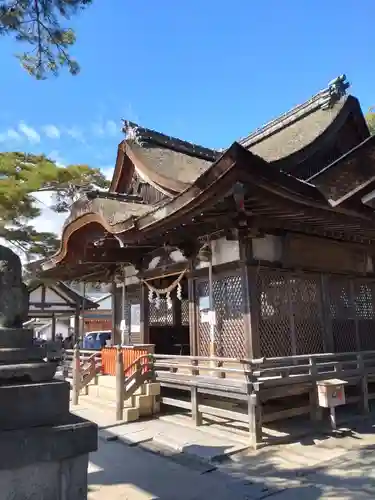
(205, 253)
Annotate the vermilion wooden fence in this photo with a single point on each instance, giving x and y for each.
(129, 353)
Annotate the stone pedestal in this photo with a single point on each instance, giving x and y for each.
(43, 448)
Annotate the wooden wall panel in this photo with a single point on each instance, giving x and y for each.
(308, 252)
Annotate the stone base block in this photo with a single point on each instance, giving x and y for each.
(29, 446)
(56, 480)
(145, 405)
(22, 354)
(140, 391)
(156, 407)
(153, 389)
(30, 405)
(16, 337)
(131, 414)
(34, 372)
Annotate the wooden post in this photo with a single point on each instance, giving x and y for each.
(120, 384)
(76, 324)
(76, 375)
(83, 326)
(356, 325)
(53, 327)
(332, 416)
(195, 413)
(250, 300)
(255, 419)
(293, 337)
(144, 313)
(315, 414)
(363, 385)
(116, 314)
(193, 336)
(328, 340)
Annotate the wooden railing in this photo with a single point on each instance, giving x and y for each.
(68, 356)
(86, 365)
(83, 366)
(131, 378)
(257, 381)
(251, 384)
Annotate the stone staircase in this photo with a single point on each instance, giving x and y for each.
(101, 392)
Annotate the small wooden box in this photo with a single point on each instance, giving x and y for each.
(331, 393)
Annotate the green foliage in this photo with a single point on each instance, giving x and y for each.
(370, 119)
(37, 23)
(21, 177)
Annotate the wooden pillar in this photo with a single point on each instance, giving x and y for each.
(145, 309)
(356, 323)
(53, 327)
(83, 310)
(120, 384)
(250, 299)
(177, 318)
(116, 314)
(76, 375)
(76, 324)
(193, 323)
(328, 341)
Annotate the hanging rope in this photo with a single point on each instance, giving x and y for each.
(165, 291)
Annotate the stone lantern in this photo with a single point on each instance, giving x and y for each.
(43, 448)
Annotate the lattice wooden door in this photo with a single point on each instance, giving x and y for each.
(342, 313)
(364, 301)
(291, 319)
(306, 308)
(229, 328)
(160, 315)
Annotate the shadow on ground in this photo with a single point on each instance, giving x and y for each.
(143, 472)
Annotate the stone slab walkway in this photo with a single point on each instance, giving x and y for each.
(169, 434)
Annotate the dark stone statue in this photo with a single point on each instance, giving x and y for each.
(14, 296)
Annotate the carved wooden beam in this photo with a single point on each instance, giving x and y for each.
(99, 255)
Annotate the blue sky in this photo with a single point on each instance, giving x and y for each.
(203, 70)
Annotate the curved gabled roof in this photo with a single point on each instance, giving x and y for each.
(270, 193)
(167, 163)
(286, 139)
(171, 165)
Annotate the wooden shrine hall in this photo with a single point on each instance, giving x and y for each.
(263, 249)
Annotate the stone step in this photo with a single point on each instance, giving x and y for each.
(105, 394)
(107, 381)
(130, 414)
(146, 404)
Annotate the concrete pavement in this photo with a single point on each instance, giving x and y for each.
(328, 467)
(130, 473)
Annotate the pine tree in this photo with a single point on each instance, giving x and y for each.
(38, 24)
(370, 119)
(22, 176)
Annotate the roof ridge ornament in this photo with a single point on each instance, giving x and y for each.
(131, 132)
(337, 89)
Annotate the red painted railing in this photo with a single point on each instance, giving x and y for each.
(129, 354)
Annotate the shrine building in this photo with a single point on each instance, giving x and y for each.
(263, 249)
